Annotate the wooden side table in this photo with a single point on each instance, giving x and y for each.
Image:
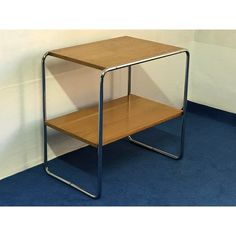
(119, 118)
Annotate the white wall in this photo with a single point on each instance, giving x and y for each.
(213, 77)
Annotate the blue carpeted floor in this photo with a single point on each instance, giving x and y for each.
(137, 177)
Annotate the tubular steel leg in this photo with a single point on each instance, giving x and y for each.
(129, 80)
(44, 112)
(181, 149)
(100, 135)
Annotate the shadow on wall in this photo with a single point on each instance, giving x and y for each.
(71, 87)
(78, 82)
(161, 80)
(144, 85)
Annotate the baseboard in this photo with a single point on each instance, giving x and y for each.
(211, 112)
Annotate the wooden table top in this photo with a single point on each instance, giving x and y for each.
(113, 52)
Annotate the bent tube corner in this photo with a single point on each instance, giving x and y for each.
(45, 56)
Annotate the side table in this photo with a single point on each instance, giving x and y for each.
(113, 120)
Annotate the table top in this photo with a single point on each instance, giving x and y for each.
(113, 52)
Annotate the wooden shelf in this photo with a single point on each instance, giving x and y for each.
(113, 52)
(121, 117)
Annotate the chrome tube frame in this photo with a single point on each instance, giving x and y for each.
(100, 137)
(100, 121)
(129, 80)
(181, 149)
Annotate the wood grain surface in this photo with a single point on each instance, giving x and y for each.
(113, 52)
(121, 117)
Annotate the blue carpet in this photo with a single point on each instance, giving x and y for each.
(134, 176)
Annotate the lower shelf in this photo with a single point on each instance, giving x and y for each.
(121, 117)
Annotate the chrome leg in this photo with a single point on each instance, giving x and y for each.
(129, 80)
(181, 153)
(181, 149)
(152, 148)
(100, 140)
(44, 112)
